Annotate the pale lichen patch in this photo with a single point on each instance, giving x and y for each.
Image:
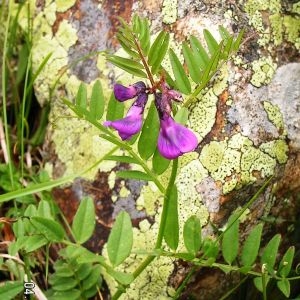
(169, 11)
(263, 71)
(274, 114)
(277, 149)
(64, 5)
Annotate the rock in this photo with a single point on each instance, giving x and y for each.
(247, 133)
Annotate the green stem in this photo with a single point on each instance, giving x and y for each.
(144, 61)
(4, 102)
(166, 204)
(159, 239)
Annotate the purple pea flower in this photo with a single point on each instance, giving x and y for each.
(174, 139)
(132, 123)
(123, 93)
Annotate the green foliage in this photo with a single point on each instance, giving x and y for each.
(149, 134)
(84, 220)
(171, 233)
(230, 241)
(11, 289)
(251, 246)
(73, 279)
(120, 240)
(192, 235)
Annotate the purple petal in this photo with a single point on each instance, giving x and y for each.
(175, 139)
(126, 127)
(123, 93)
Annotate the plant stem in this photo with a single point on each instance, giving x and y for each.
(162, 225)
(166, 204)
(4, 102)
(144, 62)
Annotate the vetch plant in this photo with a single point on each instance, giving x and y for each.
(174, 139)
(156, 122)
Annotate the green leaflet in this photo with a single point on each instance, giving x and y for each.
(251, 246)
(171, 233)
(285, 264)
(159, 163)
(132, 174)
(50, 229)
(191, 62)
(192, 235)
(10, 289)
(120, 239)
(81, 96)
(155, 47)
(97, 101)
(181, 80)
(199, 52)
(85, 215)
(182, 115)
(128, 65)
(210, 41)
(115, 109)
(230, 241)
(284, 286)
(122, 158)
(160, 55)
(148, 138)
(270, 252)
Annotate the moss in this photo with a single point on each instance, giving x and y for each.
(264, 69)
(169, 11)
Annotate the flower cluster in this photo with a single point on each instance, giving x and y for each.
(174, 139)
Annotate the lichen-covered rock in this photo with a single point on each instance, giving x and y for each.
(247, 121)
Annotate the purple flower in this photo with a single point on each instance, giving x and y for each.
(132, 123)
(174, 139)
(123, 93)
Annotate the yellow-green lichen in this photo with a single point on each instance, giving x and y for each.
(274, 114)
(281, 25)
(236, 157)
(153, 281)
(63, 5)
(277, 149)
(149, 199)
(169, 11)
(263, 71)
